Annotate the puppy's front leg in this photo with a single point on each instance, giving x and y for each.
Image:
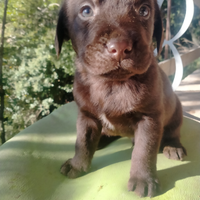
(88, 135)
(143, 178)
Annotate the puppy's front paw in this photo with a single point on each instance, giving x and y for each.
(175, 153)
(69, 170)
(144, 186)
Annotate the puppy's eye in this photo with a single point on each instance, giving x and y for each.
(86, 11)
(144, 11)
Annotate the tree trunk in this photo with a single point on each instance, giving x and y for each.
(169, 5)
(1, 74)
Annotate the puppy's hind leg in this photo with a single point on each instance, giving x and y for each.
(171, 145)
(88, 135)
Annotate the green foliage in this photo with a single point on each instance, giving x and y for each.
(195, 27)
(191, 68)
(177, 15)
(35, 80)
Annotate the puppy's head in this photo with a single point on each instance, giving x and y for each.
(112, 38)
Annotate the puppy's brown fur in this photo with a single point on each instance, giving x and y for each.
(118, 86)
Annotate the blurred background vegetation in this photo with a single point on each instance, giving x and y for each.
(34, 79)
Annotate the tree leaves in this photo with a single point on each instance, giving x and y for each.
(35, 80)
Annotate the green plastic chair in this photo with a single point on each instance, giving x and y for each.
(30, 163)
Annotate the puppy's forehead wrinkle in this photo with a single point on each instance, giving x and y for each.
(116, 15)
(118, 7)
(98, 2)
(140, 2)
(119, 4)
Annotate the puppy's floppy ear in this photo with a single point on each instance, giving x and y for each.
(158, 28)
(61, 30)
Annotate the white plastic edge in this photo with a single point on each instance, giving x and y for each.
(186, 23)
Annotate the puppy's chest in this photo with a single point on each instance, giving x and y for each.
(123, 125)
(106, 123)
(117, 99)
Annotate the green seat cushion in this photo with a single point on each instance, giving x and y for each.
(30, 163)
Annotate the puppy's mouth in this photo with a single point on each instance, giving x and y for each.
(118, 73)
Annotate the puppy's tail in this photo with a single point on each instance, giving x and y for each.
(106, 140)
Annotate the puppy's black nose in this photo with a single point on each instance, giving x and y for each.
(119, 49)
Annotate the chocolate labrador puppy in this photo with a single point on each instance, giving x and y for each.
(118, 86)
